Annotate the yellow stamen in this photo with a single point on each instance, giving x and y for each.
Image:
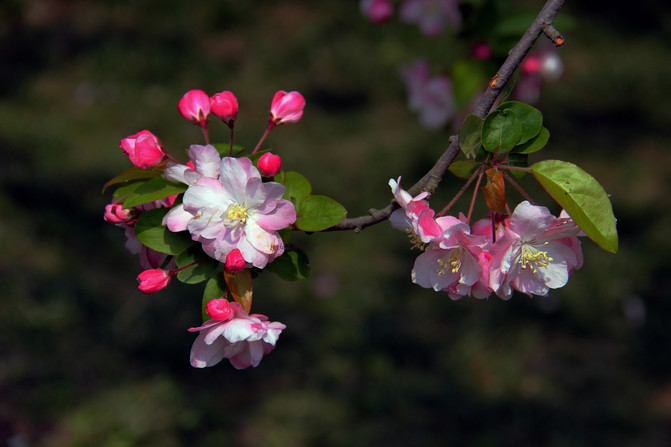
(531, 257)
(451, 262)
(236, 212)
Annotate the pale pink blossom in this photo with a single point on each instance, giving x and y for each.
(153, 280)
(224, 105)
(537, 252)
(431, 15)
(195, 106)
(456, 263)
(286, 108)
(431, 97)
(241, 338)
(238, 210)
(269, 164)
(143, 149)
(377, 11)
(415, 216)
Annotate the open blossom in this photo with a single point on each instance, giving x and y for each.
(286, 108)
(143, 149)
(234, 335)
(537, 252)
(377, 11)
(431, 15)
(456, 263)
(431, 97)
(236, 210)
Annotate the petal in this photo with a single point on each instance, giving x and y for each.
(206, 159)
(235, 174)
(282, 216)
(267, 242)
(203, 354)
(177, 219)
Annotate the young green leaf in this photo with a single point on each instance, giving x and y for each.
(535, 144)
(470, 135)
(501, 131)
(151, 232)
(196, 273)
(530, 118)
(463, 168)
(298, 187)
(154, 189)
(292, 265)
(317, 213)
(582, 197)
(135, 173)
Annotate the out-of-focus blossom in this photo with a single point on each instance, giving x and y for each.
(544, 65)
(241, 338)
(431, 15)
(143, 149)
(482, 51)
(224, 105)
(286, 108)
(269, 164)
(195, 106)
(431, 97)
(377, 11)
(153, 280)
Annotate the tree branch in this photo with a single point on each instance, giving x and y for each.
(542, 24)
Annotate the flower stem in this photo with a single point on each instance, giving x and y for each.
(230, 150)
(461, 191)
(475, 194)
(203, 126)
(263, 137)
(519, 188)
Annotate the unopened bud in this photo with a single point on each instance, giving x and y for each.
(224, 105)
(115, 213)
(269, 164)
(153, 280)
(234, 261)
(286, 107)
(219, 309)
(195, 106)
(143, 149)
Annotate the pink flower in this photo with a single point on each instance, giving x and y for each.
(242, 339)
(431, 97)
(377, 11)
(269, 164)
(482, 51)
(224, 105)
(151, 281)
(143, 149)
(286, 108)
(456, 263)
(415, 215)
(537, 252)
(238, 210)
(195, 106)
(219, 309)
(235, 262)
(431, 15)
(115, 213)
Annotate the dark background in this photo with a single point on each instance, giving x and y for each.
(367, 358)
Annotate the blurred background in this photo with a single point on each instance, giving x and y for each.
(367, 358)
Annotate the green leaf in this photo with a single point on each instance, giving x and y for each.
(530, 118)
(317, 213)
(199, 272)
(135, 173)
(518, 160)
(501, 131)
(535, 144)
(214, 289)
(292, 265)
(582, 197)
(225, 148)
(298, 187)
(154, 189)
(463, 168)
(470, 135)
(151, 232)
(127, 190)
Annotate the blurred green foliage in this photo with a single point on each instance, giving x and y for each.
(367, 358)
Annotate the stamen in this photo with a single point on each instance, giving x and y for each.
(533, 258)
(451, 262)
(236, 213)
(415, 241)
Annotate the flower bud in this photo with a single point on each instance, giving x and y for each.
(286, 107)
(219, 309)
(195, 106)
(143, 149)
(234, 261)
(153, 280)
(269, 164)
(116, 214)
(224, 105)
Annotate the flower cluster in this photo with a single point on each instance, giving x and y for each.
(230, 208)
(530, 251)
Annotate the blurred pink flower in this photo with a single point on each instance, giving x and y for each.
(431, 15)
(241, 338)
(377, 11)
(431, 97)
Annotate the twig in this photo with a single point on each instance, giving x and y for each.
(432, 178)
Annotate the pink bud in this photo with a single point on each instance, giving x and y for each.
(116, 214)
(224, 105)
(219, 309)
(286, 107)
(143, 149)
(195, 106)
(234, 261)
(153, 280)
(269, 164)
